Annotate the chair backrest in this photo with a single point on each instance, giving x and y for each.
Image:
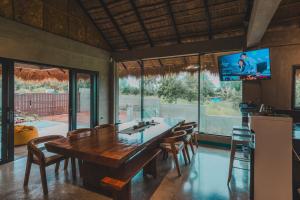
(177, 136)
(189, 129)
(80, 133)
(33, 149)
(194, 124)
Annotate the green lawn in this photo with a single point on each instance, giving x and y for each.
(221, 108)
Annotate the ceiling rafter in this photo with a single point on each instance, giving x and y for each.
(125, 67)
(207, 14)
(108, 13)
(97, 27)
(141, 22)
(170, 12)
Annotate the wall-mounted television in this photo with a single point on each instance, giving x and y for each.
(248, 65)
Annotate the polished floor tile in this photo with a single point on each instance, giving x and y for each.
(204, 179)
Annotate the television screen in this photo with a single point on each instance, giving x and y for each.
(248, 65)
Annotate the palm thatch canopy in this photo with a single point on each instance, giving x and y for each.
(29, 72)
(34, 72)
(173, 65)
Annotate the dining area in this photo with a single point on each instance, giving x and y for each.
(153, 161)
(107, 157)
(158, 100)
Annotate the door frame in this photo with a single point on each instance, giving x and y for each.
(94, 97)
(8, 65)
(7, 151)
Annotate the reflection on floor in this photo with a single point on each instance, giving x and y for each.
(204, 179)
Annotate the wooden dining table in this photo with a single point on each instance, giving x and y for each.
(111, 152)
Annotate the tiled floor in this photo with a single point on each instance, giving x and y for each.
(204, 179)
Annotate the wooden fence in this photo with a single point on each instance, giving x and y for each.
(42, 104)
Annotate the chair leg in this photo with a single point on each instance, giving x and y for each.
(73, 168)
(192, 147)
(79, 166)
(184, 156)
(187, 153)
(232, 155)
(27, 172)
(66, 164)
(176, 163)
(57, 167)
(196, 140)
(44, 179)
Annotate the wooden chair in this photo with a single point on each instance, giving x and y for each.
(75, 135)
(194, 134)
(36, 156)
(175, 145)
(188, 140)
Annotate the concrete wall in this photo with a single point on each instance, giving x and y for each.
(25, 43)
(284, 53)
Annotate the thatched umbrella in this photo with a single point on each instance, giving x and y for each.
(29, 72)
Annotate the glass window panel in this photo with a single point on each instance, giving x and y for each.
(42, 98)
(171, 96)
(1, 113)
(219, 104)
(129, 94)
(83, 100)
(297, 89)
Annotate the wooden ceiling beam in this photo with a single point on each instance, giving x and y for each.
(96, 26)
(209, 46)
(141, 22)
(173, 21)
(108, 13)
(123, 64)
(208, 18)
(261, 16)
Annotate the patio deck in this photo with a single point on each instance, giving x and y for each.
(53, 125)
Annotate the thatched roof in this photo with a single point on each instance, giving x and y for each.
(135, 24)
(173, 65)
(131, 24)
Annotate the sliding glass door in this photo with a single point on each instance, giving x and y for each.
(84, 98)
(6, 111)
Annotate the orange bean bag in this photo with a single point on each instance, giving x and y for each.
(23, 134)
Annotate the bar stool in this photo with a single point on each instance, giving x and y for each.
(239, 138)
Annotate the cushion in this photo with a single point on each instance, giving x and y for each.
(23, 134)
